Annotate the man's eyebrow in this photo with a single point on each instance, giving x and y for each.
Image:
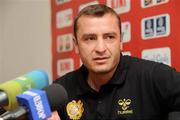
(111, 33)
(93, 34)
(88, 34)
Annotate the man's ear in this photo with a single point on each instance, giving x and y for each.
(121, 45)
(75, 43)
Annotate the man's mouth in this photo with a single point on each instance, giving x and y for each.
(101, 60)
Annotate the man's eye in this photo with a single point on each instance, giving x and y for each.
(90, 38)
(110, 37)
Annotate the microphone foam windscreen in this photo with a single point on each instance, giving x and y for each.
(11, 88)
(57, 96)
(39, 77)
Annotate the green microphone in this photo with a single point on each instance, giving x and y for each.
(37, 79)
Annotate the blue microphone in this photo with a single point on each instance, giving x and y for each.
(37, 103)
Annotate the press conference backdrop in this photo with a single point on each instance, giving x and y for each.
(149, 28)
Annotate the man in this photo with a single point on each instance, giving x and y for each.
(109, 85)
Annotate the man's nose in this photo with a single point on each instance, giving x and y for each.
(100, 46)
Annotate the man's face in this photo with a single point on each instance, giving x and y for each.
(98, 42)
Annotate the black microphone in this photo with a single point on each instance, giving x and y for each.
(56, 95)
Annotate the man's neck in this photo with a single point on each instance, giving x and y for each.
(95, 80)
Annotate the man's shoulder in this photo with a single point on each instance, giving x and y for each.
(72, 78)
(139, 63)
(134, 59)
(68, 77)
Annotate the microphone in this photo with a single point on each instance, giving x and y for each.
(37, 79)
(57, 95)
(34, 103)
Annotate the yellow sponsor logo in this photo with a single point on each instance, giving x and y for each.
(125, 104)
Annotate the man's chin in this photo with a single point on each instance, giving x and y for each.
(101, 70)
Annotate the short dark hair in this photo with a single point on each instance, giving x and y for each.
(97, 10)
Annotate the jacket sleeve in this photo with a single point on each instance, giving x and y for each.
(167, 82)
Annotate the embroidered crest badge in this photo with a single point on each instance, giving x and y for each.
(75, 109)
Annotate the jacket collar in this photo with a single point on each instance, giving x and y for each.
(117, 79)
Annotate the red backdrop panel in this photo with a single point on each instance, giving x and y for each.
(150, 31)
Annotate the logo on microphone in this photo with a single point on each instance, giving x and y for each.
(75, 109)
